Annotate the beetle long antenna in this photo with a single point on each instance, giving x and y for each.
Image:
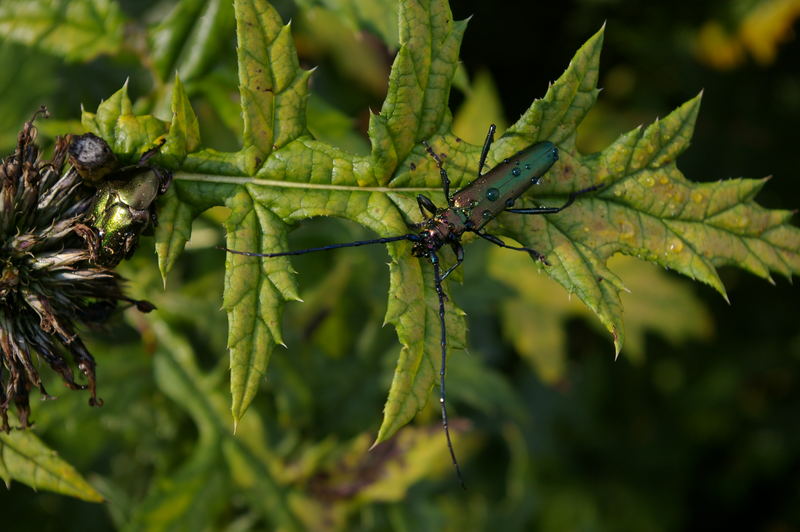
(412, 237)
(437, 279)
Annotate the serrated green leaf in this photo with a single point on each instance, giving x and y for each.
(419, 84)
(272, 87)
(175, 216)
(184, 133)
(78, 30)
(648, 209)
(25, 458)
(415, 315)
(556, 116)
(254, 296)
(173, 231)
(282, 176)
(126, 133)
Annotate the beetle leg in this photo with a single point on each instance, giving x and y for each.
(459, 251)
(552, 210)
(497, 242)
(425, 204)
(151, 152)
(164, 178)
(141, 216)
(442, 172)
(130, 244)
(485, 150)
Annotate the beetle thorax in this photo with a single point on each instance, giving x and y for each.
(446, 226)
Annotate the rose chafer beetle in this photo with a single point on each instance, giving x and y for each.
(124, 203)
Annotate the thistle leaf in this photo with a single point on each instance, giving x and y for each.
(126, 133)
(272, 86)
(282, 176)
(648, 209)
(25, 458)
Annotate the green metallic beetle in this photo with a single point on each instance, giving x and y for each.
(468, 210)
(124, 204)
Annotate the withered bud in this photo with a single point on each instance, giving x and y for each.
(49, 283)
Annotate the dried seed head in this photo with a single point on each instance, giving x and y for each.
(49, 284)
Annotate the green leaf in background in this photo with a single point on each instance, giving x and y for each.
(183, 381)
(78, 30)
(23, 457)
(354, 56)
(482, 106)
(188, 40)
(376, 16)
(535, 320)
(24, 84)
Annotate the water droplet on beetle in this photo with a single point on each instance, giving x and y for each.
(492, 194)
(509, 203)
(487, 214)
(515, 172)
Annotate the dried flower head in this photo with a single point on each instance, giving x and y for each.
(49, 282)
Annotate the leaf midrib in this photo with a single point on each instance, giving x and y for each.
(244, 180)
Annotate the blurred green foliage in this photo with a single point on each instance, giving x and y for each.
(672, 438)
